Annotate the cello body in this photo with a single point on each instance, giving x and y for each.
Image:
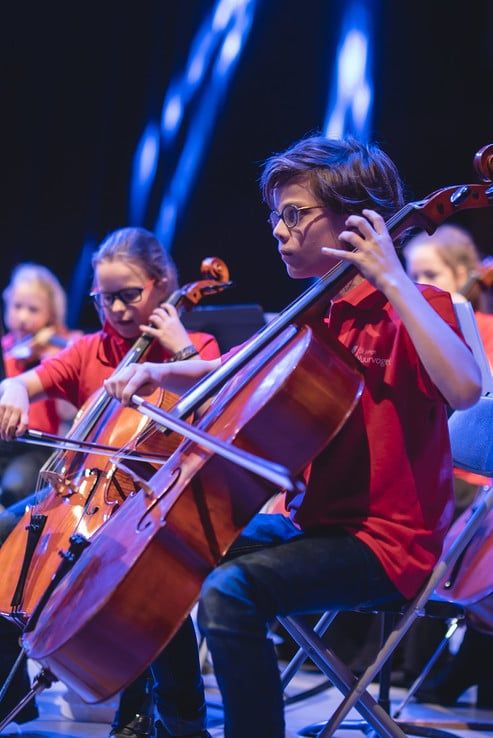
(81, 494)
(470, 582)
(145, 572)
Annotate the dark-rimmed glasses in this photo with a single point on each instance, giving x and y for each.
(129, 296)
(290, 215)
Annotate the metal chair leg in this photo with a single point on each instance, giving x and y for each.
(341, 676)
(42, 681)
(300, 656)
(453, 626)
(20, 658)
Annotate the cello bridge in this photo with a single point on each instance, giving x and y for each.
(63, 485)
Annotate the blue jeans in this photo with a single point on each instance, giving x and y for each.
(272, 569)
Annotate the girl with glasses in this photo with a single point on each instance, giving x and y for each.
(133, 278)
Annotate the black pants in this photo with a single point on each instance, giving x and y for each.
(20, 685)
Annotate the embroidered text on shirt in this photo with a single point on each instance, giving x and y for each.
(367, 356)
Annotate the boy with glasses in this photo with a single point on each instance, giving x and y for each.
(379, 500)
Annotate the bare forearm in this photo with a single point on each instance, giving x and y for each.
(29, 380)
(143, 379)
(15, 396)
(448, 361)
(179, 376)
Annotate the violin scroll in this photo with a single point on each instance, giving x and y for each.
(483, 163)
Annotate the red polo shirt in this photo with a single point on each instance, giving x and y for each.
(387, 476)
(75, 373)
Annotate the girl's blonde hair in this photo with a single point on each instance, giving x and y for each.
(453, 244)
(41, 277)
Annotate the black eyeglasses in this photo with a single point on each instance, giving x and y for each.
(290, 215)
(128, 296)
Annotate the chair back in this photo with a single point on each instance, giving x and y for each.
(471, 437)
(471, 430)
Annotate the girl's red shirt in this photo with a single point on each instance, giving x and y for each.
(75, 373)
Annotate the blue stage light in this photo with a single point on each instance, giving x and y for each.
(351, 98)
(190, 108)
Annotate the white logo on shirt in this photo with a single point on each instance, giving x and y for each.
(367, 356)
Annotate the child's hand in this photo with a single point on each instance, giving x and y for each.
(141, 379)
(167, 328)
(375, 255)
(14, 408)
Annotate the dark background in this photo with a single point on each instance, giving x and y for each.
(82, 80)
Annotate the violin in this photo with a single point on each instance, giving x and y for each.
(481, 277)
(83, 491)
(33, 348)
(103, 624)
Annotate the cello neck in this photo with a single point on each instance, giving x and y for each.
(426, 214)
(307, 308)
(315, 298)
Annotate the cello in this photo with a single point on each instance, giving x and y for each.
(84, 492)
(175, 530)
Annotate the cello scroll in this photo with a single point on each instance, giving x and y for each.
(215, 279)
(483, 163)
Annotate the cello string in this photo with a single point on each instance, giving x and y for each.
(218, 280)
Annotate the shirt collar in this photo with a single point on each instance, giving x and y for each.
(115, 336)
(363, 295)
(116, 345)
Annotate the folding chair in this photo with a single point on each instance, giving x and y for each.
(471, 433)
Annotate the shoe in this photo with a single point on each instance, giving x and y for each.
(438, 696)
(447, 692)
(142, 726)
